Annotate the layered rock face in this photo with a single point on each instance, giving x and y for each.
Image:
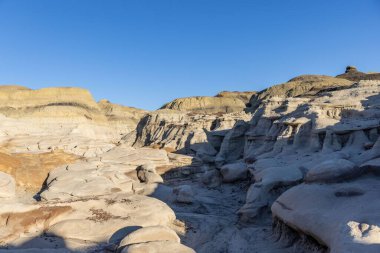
(21, 102)
(61, 118)
(123, 118)
(184, 132)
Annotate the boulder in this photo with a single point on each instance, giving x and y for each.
(372, 166)
(269, 183)
(150, 234)
(334, 170)
(232, 147)
(147, 174)
(344, 216)
(184, 194)
(234, 171)
(211, 177)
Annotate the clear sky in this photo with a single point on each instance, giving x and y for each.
(144, 53)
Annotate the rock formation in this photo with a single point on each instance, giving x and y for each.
(244, 96)
(221, 104)
(354, 75)
(293, 168)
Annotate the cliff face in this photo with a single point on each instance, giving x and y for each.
(185, 132)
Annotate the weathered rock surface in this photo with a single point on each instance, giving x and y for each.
(184, 132)
(112, 172)
(301, 86)
(30, 170)
(92, 220)
(340, 216)
(123, 118)
(7, 185)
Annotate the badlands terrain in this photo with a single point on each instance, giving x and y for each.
(293, 168)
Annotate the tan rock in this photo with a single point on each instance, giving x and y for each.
(206, 104)
(7, 185)
(244, 96)
(31, 170)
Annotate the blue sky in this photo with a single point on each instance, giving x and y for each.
(144, 53)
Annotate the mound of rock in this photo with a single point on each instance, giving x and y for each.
(206, 104)
(19, 102)
(301, 86)
(150, 234)
(124, 118)
(244, 96)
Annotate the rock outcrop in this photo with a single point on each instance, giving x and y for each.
(353, 74)
(20, 102)
(187, 133)
(301, 86)
(222, 104)
(123, 118)
(244, 96)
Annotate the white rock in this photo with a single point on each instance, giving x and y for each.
(147, 174)
(342, 216)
